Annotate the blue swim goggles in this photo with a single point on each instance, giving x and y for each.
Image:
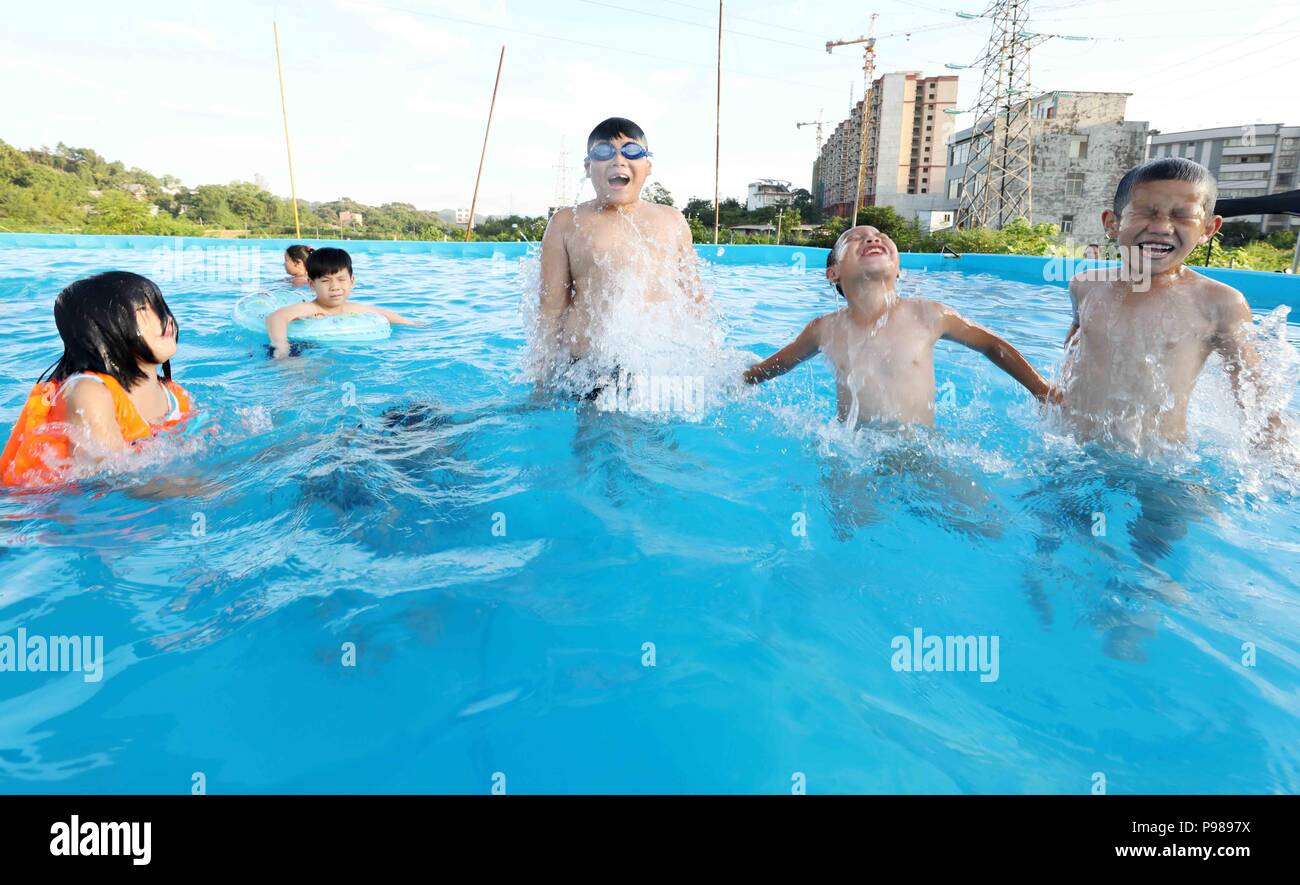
(603, 150)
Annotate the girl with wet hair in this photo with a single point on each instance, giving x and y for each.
(111, 388)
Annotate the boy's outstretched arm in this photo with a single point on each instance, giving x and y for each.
(556, 289)
(1241, 360)
(1074, 313)
(690, 263)
(955, 327)
(785, 359)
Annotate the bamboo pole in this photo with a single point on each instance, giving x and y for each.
(284, 111)
(469, 226)
(717, 139)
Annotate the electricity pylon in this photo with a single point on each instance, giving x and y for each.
(997, 185)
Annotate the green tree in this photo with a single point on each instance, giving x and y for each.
(790, 221)
(1283, 239)
(657, 193)
(118, 213)
(829, 231)
(1238, 233)
(698, 206)
(1022, 238)
(1254, 255)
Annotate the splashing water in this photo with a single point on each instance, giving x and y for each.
(504, 567)
(648, 345)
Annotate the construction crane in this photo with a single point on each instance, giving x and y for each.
(868, 75)
(816, 182)
(819, 123)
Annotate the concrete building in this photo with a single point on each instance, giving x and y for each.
(836, 169)
(768, 192)
(1081, 147)
(351, 219)
(936, 219)
(1248, 161)
(906, 161)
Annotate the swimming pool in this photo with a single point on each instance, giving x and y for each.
(548, 597)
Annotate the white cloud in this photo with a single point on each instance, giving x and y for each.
(408, 28)
(181, 31)
(218, 111)
(431, 98)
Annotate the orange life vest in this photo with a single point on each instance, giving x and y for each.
(39, 451)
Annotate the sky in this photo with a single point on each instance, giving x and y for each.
(387, 100)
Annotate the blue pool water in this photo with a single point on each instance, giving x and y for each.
(506, 566)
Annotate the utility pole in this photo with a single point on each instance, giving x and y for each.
(717, 140)
(868, 75)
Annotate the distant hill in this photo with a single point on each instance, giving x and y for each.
(75, 190)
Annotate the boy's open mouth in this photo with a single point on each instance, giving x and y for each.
(874, 249)
(1156, 249)
(618, 180)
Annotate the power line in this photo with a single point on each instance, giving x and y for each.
(1203, 36)
(1092, 16)
(601, 46)
(711, 28)
(743, 18)
(925, 28)
(1225, 82)
(1260, 32)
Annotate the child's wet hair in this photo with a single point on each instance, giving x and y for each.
(326, 261)
(1168, 169)
(608, 130)
(298, 252)
(833, 258)
(97, 319)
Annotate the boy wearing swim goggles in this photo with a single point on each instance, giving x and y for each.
(615, 243)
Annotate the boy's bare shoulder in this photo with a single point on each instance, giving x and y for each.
(1095, 274)
(1088, 285)
(667, 217)
(665, 211)
(1212, 289)
(924, 310)
(823, 325)
(1219, 299)
(562, 218)
(826, 320)
(1091, 278)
